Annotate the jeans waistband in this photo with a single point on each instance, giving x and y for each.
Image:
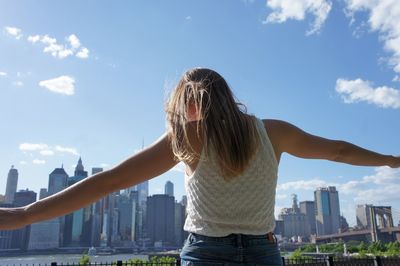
(236, 238)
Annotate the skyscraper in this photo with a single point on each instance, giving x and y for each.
(58, 180)
(363, 214)
(327, 210)
(308, 208)
(24, 197)
(143, 193)
(77, 230)
(11, 188)
(161, 219)
(97, 214)
(169, 188)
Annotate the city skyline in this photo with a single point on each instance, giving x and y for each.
(96, 86)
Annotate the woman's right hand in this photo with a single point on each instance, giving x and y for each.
(12, 218)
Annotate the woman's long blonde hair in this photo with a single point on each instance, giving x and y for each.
(223, 125)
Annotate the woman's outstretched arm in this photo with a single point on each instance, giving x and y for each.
(287, 138)
(151, 162)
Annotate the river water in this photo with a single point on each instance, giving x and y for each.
(63, 258)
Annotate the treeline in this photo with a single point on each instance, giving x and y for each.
(358, 249)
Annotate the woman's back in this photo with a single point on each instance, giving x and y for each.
(243, 204)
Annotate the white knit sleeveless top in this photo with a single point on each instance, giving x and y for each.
(242, 205)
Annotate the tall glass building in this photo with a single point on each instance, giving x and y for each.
(327, 210)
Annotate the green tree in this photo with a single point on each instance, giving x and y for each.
(84, 260)
(376, 248)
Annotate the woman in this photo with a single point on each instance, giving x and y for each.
(231, 163)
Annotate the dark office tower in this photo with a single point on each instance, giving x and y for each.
(308, 208)
(11, 188)
(6, 235)
(169, 189)
(161, 219)
(24, 197)
(79, 169)
(21, 236)
(126, 214)
(96, 170)
(327, 210)
(179, 222)
(43, 193)
(77, 229)
(97, 213)
(184, 204)
(58, 180)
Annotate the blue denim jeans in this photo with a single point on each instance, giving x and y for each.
(234, 249)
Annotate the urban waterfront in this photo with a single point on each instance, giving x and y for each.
(64, 258)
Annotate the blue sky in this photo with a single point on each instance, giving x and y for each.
(90, 79)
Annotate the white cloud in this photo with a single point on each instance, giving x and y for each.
(83, 53)
(384, 176)
(382, 186)
(67, 150)
(23, 162)
(37, 161)
(33, 146)
(304, 184)
(3, 74)
(283, 10)
(60, 50)
(358, 90)
(281, 196)
(74, 41)
(33, 38)
(18, 83)
(13, 31)
(384, 18)
(63, 85)
(47, 152)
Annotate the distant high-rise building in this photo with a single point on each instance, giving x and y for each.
(327, 210)
(363, 215)
(58, 180)
(169, 189)
(11, 188)
(44, 235)
(161, 219)
(179, 222)
(308, 208)
(96, 170)
(6, 236)
(143, 190)
(143, 193)
(295, 223)
(97, 214)
(184, 200)
(43, 193)
(24, 197)
(79, 169)
(78, 225)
